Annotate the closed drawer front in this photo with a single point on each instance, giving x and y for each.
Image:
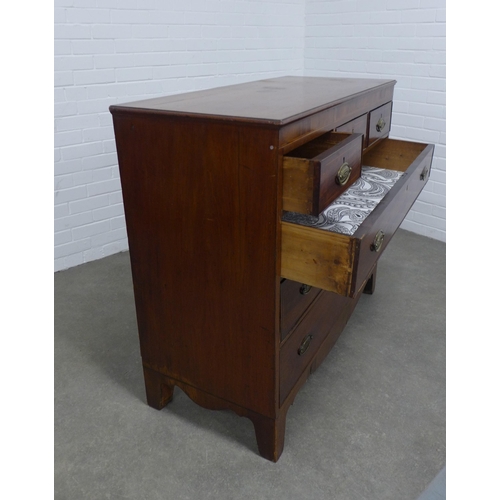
(298, 354)
(357, 126)
(311, 340)
(302, 345)
(319, 171)
(295, 300)
(341, 262)
(379, 123)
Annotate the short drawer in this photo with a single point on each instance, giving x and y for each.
(357, 126)
(295, 300)
(341, 262)
(379, 123)
(319, 171)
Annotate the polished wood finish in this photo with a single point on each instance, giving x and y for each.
(379, 123)
(269, 432)
(310, 172)
(202, 183)
(339, 262)
(197, 263)
(372, 281)
(298, 132)
(276, 101)
(309, 334)
(392, 210)
(295, 300)
(357, 126)
(330, 305)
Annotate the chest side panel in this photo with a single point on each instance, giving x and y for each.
(200, 202)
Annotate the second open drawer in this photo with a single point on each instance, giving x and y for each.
(341, 262)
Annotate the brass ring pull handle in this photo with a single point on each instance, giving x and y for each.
(424, 174)
(377, 242)
(380, 124)
(343, 174)
(305, 289)
(305, 345)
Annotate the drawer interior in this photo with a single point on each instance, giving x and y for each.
(337, 249)
(317, 146)
(350, 209)
(383, 166)
(393, 154)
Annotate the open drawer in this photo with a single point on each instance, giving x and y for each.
(341, 262)
(317, 172)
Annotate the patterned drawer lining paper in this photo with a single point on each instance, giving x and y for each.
(352, 207)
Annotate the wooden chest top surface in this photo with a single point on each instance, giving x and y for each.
(276, 101)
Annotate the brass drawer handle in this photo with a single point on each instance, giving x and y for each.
(380, 125)
(377, 242)
(305, 345)
(343, 174)
(305, 289)
(424, 174)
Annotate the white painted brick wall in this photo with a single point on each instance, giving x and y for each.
(399, 39)
(112, 51)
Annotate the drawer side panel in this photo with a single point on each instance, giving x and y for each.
(318, 258)
(300, 184)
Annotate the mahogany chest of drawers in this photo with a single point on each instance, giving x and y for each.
(239, 293)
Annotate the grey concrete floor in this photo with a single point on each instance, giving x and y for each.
(368, 424)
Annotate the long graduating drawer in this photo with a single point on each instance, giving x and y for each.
(312, 338)
(317, 172)
(339, 262)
